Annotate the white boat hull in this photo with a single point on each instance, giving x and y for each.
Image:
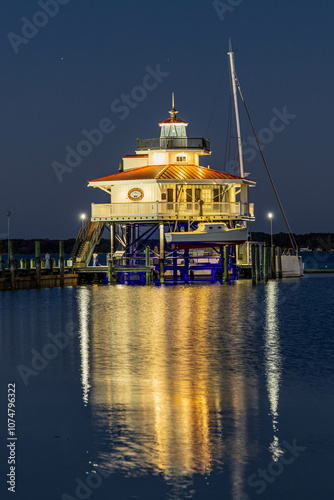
(210, 234)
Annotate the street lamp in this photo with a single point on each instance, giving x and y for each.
(8, 215)
(270, 215)
(83, 218)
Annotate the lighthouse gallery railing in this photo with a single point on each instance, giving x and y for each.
(158, 208)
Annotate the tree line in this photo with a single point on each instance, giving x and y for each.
(313, 241)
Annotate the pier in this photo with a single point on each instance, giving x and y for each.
(251, 260)
(36, 272)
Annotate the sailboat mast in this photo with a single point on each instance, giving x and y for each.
(236, 108)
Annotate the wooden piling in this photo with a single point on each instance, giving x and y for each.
(147, 256)
(265, 263)
(112, 240)
(38, 263)
(222, 261)
(257, 264)
(279, 262)
(253, 253)
(109, 271)
(186, 264)
(147, 264)
(233, 254)
(226, 259)
(162, 252)
(127, 235)
(273, 263)
(61, 263)
(175, 263)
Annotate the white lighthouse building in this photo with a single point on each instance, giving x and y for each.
(164, 184)
(164, 181)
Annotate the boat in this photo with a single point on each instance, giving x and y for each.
(212, 233)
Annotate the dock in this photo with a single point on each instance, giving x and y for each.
(251, 260)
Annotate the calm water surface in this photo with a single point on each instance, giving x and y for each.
(198, 391)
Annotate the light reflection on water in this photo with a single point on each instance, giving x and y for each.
(84, 303)
(273, 362)
(171, 377)
(181, 391)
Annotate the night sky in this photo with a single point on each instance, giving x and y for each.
(62, 78)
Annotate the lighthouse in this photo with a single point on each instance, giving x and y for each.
(163, 184)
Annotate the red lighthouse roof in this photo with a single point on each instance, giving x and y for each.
(173, 120)
(172, 172)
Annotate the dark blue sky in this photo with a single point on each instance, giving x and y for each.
(65, 77)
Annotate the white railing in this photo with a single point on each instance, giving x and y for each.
(156, 209)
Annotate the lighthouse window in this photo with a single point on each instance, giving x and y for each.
(216, 195)
(180, 158)
(170, 199)
(170, 195)
(189, 198)
(189, 195)
(197, 194)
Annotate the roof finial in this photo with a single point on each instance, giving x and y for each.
(173, 111)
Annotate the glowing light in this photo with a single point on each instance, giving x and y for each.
(270, 215)
(159, 157)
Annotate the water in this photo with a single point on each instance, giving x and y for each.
(197, 391)
(318, 260)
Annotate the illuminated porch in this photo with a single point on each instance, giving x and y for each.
(160, 210)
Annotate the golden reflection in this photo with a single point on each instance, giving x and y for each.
(273, 362)
(166, 364)
(83, 304)
(244, 394)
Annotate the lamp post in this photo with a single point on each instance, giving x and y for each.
(270, 215)
(8, 215)
(83, 218)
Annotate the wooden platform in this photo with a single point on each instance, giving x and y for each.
(115, 269)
